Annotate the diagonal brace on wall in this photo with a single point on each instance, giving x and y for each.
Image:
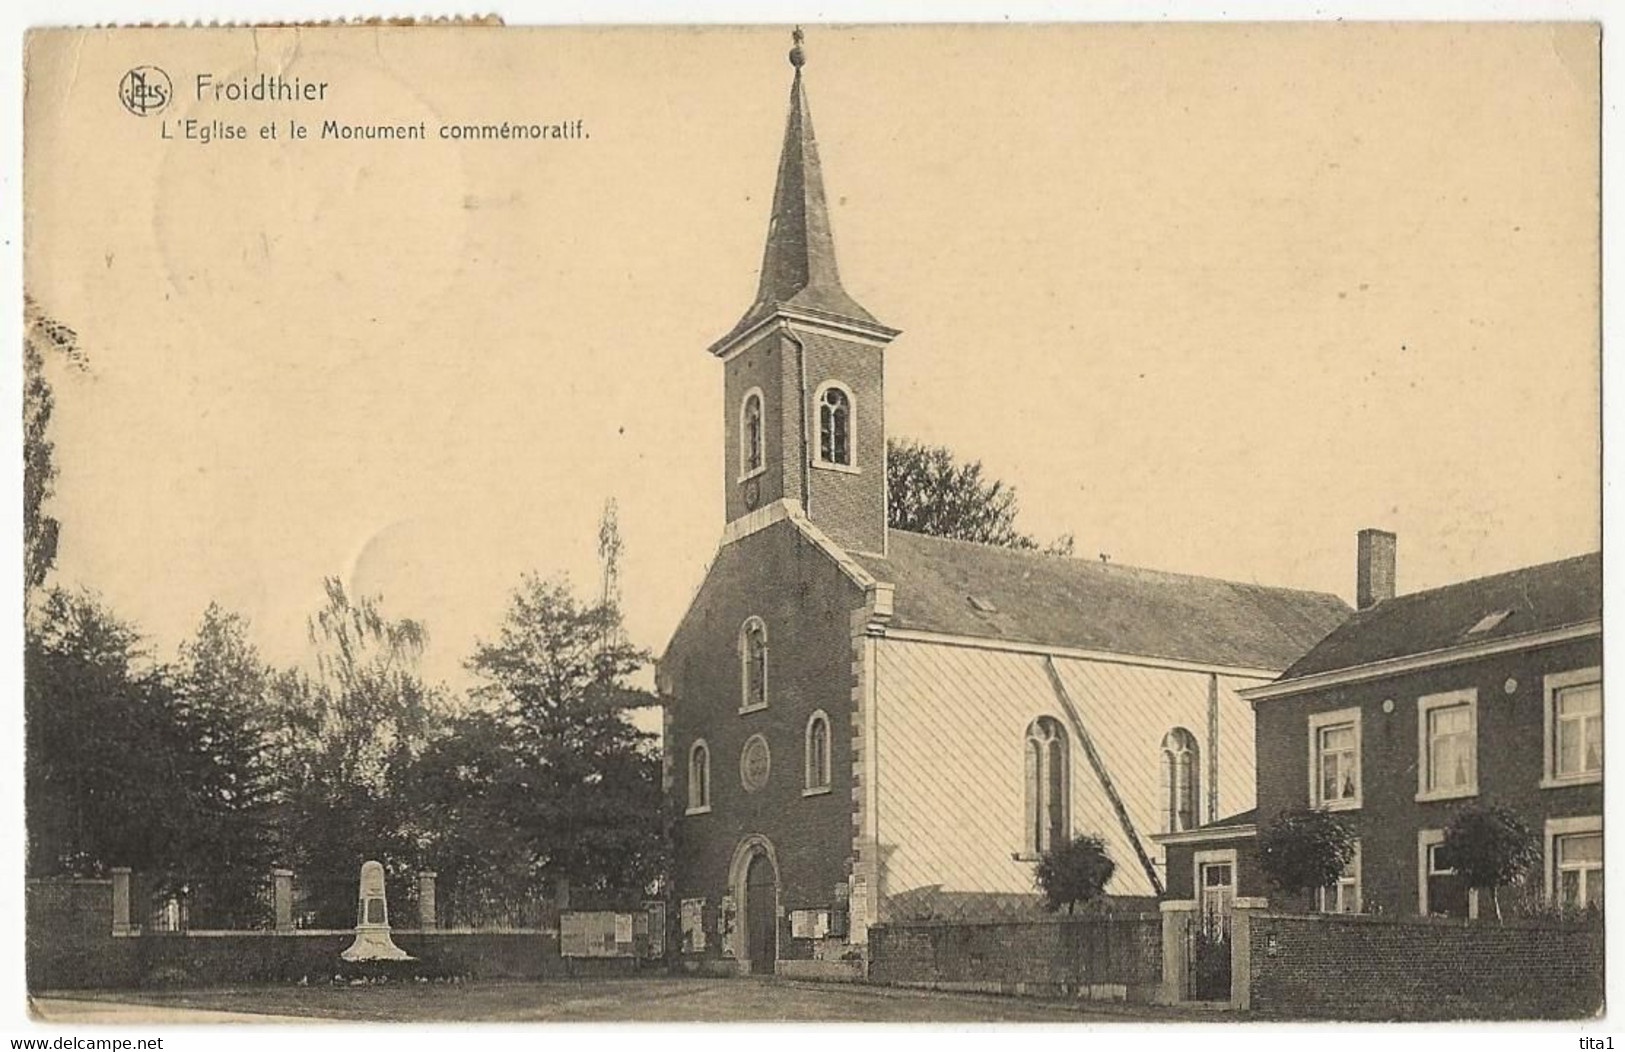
(1099, 765)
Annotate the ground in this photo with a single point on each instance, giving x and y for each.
(597, 1000)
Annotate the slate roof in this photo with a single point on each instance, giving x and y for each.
(960, 588)
(1539, 598)
(798, 263)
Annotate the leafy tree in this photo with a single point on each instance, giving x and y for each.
(342, 738)
(929, 491)
(1490, 847)
(592, 809)
(1074, 872)
(105, 754)
(1304, 849)
(224, 693)
(43, 339)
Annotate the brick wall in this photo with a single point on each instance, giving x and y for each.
(69, 937)
(1510, 758)
(1179, 875)
(1114, 956)
(1357, 967)
(806, 604)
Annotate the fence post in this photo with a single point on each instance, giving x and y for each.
(428, 919)
(121, 900)
(1242, 911)
(1176, 965)
(282, 898)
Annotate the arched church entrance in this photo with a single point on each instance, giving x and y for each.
(755, 883)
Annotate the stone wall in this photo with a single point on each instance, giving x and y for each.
(1113, 956)
(71, 945)
(1327, 966)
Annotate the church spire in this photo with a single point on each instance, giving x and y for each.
(799, 275)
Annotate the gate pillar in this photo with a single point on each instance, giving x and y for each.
(1177, 916)
(1241, 954)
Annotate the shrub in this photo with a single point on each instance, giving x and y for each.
(1074, 872)
(1490, 847)
(1304, 849)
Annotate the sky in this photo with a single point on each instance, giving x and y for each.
(1212, 298)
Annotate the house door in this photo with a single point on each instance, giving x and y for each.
(1210, 935)
(761, 915)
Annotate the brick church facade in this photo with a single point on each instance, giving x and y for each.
(863, 723)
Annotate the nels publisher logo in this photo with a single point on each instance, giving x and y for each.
(145, 90)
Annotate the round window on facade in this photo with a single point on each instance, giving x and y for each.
(754, 763)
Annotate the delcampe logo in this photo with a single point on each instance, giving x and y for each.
(145, 90)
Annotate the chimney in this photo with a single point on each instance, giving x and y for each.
(1374, 573)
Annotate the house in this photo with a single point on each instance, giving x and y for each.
(1486, 690)
(863, 723)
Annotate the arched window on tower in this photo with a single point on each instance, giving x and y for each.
(699, 778)
(1181, 781)
(818, 752)
(1047, 782)
(752, 665)
(835, 415)
(752, 443)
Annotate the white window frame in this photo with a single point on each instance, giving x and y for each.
(705, 780)
(1425, 839)
(1326, 899)
(1561, 827)
(745, 663)
(1552, 684)
(817, 422)
(1426, 705)
(1215, 857)
(1320, 721)
(746, 472)
(817, 783)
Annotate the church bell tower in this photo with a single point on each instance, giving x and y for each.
(804, 369)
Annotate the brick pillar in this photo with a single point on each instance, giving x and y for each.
(1241, 951)
(1177, 915)
(428, 918)
(282, 898)
(121, 900)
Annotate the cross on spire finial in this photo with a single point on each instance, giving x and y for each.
(798, 57)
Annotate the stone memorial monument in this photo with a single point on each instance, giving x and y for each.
(372, 941)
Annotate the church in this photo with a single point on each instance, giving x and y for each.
(865, 724)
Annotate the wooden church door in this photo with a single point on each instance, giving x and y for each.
(761, 915)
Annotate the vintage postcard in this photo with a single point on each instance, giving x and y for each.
(520, 526)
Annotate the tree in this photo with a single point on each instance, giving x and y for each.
(341, 738)
(224, 693)
(592, 807)
(43, 339)
(1490, 847)
(1304, 849)
(929, 491)
(1074, 872)
(105, 753)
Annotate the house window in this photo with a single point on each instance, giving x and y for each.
(1574, 862)
(1181, 780)
(1441, 892)
(752, 665)
(1344, 895)
(1047, 781)
(1573, 713)
(752, 454)
(1334, 760)
(1579, 870)
(1447, 754)
(835, 425)
(817, 754)
(1216, 890)
(699, 778)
